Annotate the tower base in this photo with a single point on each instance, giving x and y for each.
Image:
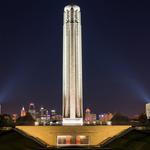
(72, 122)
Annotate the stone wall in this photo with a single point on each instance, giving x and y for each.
(97, 134)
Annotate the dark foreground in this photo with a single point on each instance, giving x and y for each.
(133, 140)
(12, 140)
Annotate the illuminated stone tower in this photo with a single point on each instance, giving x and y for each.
(72, 67)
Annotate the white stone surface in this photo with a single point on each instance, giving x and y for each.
(72, 122)
(148, 110)
(72, 66)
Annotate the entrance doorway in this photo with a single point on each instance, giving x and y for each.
(64, 140)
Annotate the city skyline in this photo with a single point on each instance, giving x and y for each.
(116, 77)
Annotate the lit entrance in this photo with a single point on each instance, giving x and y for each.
(64, 140)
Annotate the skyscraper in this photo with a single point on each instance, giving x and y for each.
(90, 118)
(44, 116)
(32, 110)
(72, 67)
(23, 112)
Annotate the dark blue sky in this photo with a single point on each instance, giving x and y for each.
(116, 54)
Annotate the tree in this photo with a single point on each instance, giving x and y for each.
(119, 119)
(26, 120)
(142, 118)
(6, 121)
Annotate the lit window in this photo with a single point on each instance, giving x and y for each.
(72, 140)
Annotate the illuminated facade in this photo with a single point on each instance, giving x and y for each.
(73, 135)
(148, 110)
(89, 118)
(44, 116)
(105, 118)
(23, 112)
(72, 67)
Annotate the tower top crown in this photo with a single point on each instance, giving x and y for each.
(72, 14)
(71, 7)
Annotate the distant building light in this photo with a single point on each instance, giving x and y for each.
(94, 122)
(23, 112)
(109, 123)
(36, 123)
(53, 111)
(31, 103)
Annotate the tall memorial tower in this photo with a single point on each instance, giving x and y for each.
(72, 67)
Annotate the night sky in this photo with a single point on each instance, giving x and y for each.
(116, 54)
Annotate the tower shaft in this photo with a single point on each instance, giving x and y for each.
(72, 67)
